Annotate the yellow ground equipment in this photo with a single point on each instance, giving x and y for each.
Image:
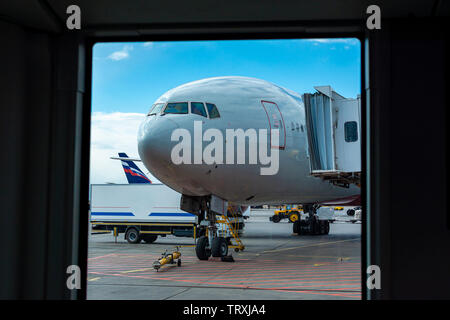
(168, 258)
(290, 212)
(233, 229)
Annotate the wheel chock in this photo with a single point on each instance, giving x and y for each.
(227, 258)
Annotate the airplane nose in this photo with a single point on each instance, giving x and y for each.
(154, 144)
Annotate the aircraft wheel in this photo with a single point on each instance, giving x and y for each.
(219, 247)
(327, 227)
(296, 227)
(132, 235)
(321, 227)
(201, 249)
(316, 226)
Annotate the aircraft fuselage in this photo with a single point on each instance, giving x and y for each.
(246, 106)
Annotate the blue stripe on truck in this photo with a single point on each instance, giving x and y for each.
(128, 214)
(171, 214)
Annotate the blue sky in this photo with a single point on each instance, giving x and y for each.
(129, 77)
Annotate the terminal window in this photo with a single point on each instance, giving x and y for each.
(135, 219)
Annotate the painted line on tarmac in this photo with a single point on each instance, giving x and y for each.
(311, 245)
(136, 270)
(325, 257)
(350, 291)
(94, 279)
(99, 257)
(333, 291)
(348, 294)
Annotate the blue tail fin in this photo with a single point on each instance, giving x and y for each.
(133, 173)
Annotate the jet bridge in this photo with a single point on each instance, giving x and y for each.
(334, 136)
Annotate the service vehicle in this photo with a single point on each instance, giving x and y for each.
(356, 214)
(144, 211)
(290, 212)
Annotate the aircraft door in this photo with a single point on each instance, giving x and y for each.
(276, 121)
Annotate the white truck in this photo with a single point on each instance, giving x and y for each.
(143, 212)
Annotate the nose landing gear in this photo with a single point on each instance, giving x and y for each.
(208, 209)
(218, 248)
(212, 244)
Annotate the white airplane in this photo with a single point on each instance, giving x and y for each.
(207, 166)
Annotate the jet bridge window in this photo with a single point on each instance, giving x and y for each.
(351, 131)
(198, 108)
(177, 108)
(212, 110)
(155, 109)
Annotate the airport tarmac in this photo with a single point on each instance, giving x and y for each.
(276, 264)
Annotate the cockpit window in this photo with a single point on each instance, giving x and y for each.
(155, 109)
(177, 108)
(212, 110)
(198, 108)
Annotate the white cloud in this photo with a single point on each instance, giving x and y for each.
(112, 133)
(122, 54)
(148, 44)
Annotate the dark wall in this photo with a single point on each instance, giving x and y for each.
(42, 116)
(38, 100)
(408, 89)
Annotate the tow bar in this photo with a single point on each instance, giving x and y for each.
(167, 258)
